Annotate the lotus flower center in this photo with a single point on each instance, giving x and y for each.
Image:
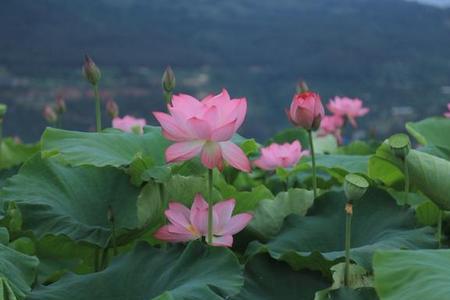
(192, 229)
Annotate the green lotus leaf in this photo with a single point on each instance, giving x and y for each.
(316, 241)
(109, 148)
(245, 200)
(412, 275)
(351, 294)
(269, 215)
(4, 236)
(348, 163)
(384, 166)
(57, 199)
(358, 148)
(431, 175)
(268, 279)
(17, 273)
(432, 132)
(13, 153)
(359, 280)
(427, 213)
(59, 254)
(194, 273)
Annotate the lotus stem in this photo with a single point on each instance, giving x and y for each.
(98, 112)
(313, 160)
(405, 170)
(439, 229)
(162, 194)
(1, 131)
(59, 122)
(97, 254)
(348, 232)
(210, 206)
(111, 219)
(1, 134)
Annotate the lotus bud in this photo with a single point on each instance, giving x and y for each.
(112, 108)
(168, 80)
(400, 145)
(306, 110)
(355, 187)
(3, 109)
(49, 114)
(90, 71)
(60, 105)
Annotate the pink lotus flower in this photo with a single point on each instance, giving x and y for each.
(129, 124)
(204, 128)
(332, 125)
(50, 114)
(347, 107)
(186, 225)
(447, 114)
(306, 110)
(283, 156)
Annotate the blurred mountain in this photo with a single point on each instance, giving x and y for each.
(391, 53)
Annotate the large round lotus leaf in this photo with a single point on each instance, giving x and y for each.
(269, 215)
(17, 272)
(268, 279)
(109, 148)
(386, 167)
(197, 272)
(13, 153)
(316, 241)
(359, 286)
(59, 254)
(348, 163)
(57, 199)
(432, 132)
(431, 175)
(412, 275)
(351, 294)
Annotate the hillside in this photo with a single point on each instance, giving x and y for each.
(390, 53)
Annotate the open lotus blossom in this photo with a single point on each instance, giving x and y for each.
(129, 124)
(332, 125)
(306, 110)
(204, 128)
(447, 114)
(280, 156)
(347, 107)
(191, 224)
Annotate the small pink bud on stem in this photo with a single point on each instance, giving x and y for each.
(49, 114)
(168, 84)
(112, 108)
(92, 74)
(90, 71)
(60, 105)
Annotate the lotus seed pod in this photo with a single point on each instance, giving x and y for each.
(355, 187)
(400, 145)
